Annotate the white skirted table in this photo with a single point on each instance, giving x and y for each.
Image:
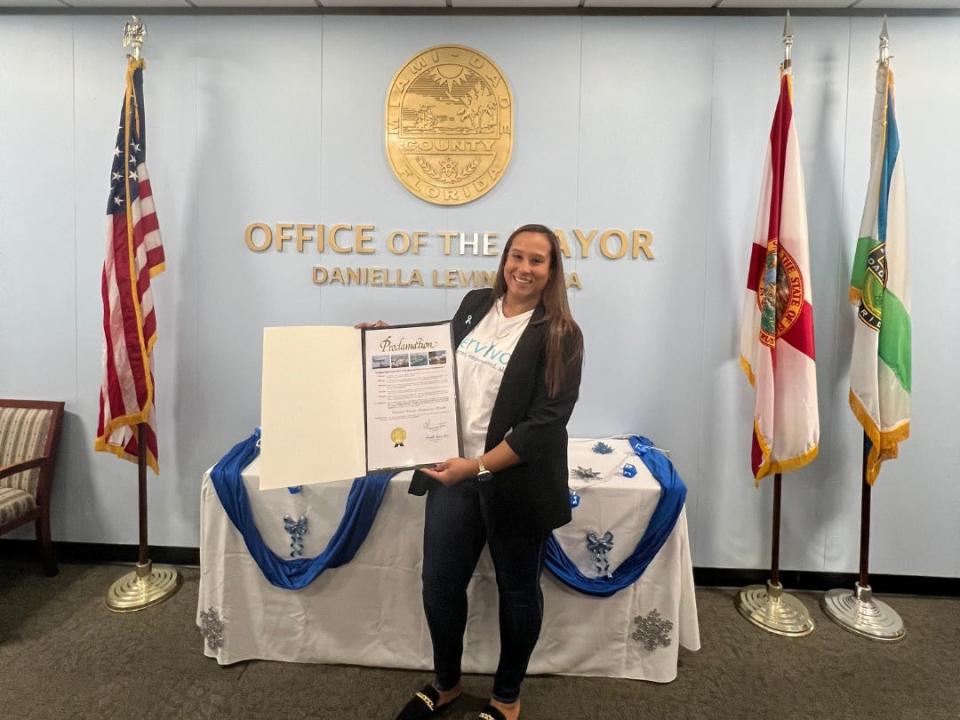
(369, 612)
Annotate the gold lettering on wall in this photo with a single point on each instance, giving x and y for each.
(620, 243)
(642, 240)
(267, 236)
(332, 238)
(362, 239)
(304, 235)
(283, 235)
(564, 245)
(584, 241)
(404, 242)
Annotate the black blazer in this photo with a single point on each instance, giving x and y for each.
(534, 492)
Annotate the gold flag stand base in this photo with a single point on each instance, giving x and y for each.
(770, 609)
(859, 613)
(143, 587)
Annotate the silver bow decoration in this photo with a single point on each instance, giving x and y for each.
(297, 529)
(211, 628)
(600, 546)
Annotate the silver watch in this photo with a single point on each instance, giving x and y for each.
(483, 475)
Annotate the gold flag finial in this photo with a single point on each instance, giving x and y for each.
(787, 44)
(134, 34)
(885, 55)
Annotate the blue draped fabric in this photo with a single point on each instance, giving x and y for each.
(673, 494)
(366, 495)
(364, 500)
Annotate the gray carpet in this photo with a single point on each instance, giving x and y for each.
(63, 655)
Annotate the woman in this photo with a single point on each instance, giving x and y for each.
(518, 363)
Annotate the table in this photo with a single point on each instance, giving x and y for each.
(369, 611)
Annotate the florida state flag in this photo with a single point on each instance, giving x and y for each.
(776, 335)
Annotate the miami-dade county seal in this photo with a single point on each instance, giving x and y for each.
(449, 124)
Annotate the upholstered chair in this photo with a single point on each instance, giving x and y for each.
(29, 432)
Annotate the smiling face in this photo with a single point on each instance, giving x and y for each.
(527, 268)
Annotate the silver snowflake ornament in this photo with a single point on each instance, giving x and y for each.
(582, 473)
(653, 631)
(601, 448)
(211, 627)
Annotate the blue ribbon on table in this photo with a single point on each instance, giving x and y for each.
(672, 497)
(363, 503)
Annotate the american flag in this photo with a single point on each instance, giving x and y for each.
(134, 256)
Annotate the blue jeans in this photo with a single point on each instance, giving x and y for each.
(457, 527)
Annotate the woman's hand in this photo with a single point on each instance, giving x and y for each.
(375, 325)
(452, 471)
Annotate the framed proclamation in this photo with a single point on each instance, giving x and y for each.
(410, 396)
(337, 402)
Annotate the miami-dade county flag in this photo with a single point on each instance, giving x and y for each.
(880, 288)
(134, 255)
(776, 334)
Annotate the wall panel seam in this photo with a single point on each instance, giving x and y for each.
(76, 229)
(579, 147)
(198, 266)
(699, 479)
(841, 275)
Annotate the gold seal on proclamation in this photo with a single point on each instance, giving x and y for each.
(449, 124)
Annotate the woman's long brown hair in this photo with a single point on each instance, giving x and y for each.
(563, 333)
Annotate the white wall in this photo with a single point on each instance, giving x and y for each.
(631, 122)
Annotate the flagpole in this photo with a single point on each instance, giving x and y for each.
(858, 611)
(865, 516)
(147, 585)
(768, 606)
(775, 532)
(144, 555)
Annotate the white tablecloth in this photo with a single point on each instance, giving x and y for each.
(369, 611)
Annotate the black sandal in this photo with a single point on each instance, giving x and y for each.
(425, 704)
(489, 712)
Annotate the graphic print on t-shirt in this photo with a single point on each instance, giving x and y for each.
(482, 358)
(488, 353)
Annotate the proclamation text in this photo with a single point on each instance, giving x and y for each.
(410, 383)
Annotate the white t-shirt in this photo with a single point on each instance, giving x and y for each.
(481, 359)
